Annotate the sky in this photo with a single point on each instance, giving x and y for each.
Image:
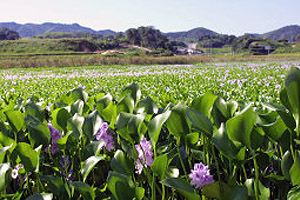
(223, 16)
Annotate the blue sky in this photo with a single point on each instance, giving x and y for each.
(223, 16)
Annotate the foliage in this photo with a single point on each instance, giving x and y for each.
(191, 35)
(7, 34)
(46, 46)
(239, 150)
(215, 41)
(148, 37)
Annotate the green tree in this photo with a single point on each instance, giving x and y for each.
(7, 34)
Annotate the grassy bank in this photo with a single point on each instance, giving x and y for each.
(35, 60)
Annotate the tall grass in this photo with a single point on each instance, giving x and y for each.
(26, 61)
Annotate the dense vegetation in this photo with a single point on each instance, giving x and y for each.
(191, 35)
(47, 46)
(90, 144)
(215, 41)
(7, 34)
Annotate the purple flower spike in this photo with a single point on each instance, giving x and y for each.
(66, 166)
(200, 176)
(55, 136)
(105, 134)
(144, 152)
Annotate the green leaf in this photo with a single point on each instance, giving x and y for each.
(129, 126)
(276, 129)
(121, 186)
(126, 104)
(7, 141)
(60, 118)
(182, 186)
(93, 149)
(239, 127)
(56, 185)
(286, 164)
(89, 164)
(4, 168)
(139, 193)
(204, 104)
(156, 124)
(264, 193)
(3, 151)
(122, 164)
(92, 124)
(134, 91)
(77, 107)
(200, 122)
(224, 144)
(192, 139)
(78, 93)
(294, 194)
(177, 122)
(41, 196)
(103, 102)
(84, 189)
(147, 106)
(39, 134)
(160, 165)
(75, 124)
(110, 114)
(35, 111)
(295, 169)
(29, 157)
(15, 119)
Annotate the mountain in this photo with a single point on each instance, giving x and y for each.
(288, 32)
(29, 29)
(191, 35)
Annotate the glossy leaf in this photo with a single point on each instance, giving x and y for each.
(40, 196)
(182, 186)
(200, 122)
(177, 121)
(60, 119)
(15, 119)
(28, 156)
(204, 104)
(39, 134)
(84, 189)
(239, 127)
(4, 168)
(89, 164)
(92, 124)
(160, 165)
(121, 163)
(156, 124)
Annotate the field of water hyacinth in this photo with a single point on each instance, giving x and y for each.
(203, 131)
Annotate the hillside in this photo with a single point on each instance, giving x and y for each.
(30, 30)
(47, 46)
(191, 35)
(288, 32)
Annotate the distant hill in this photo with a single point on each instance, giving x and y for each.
(30, 30)
(191, 35)
(288, 32)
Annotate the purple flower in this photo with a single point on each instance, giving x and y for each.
(200, 175)
(55, 136)
(277, 86)
(145, 155)
(67, 170)
(15, 171)
(105, 134)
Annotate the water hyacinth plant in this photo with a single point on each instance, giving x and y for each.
(128, 147)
